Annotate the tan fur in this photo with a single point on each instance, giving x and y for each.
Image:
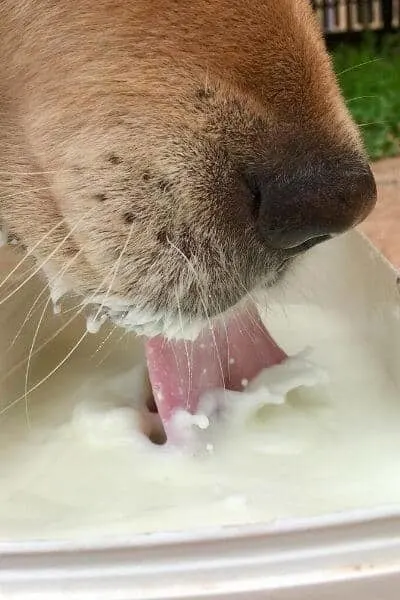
(129, 122)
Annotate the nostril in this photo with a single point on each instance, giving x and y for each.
(296, 209)
(296, 240)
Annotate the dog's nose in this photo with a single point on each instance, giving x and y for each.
(299, 208)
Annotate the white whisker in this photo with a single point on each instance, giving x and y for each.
(115, 271)
(46, 287)
(47, 377)
(118, 341)
(103, 342)
(28, 365)
(81, 307)
(44, 262)
(204, 304)
(29, 253)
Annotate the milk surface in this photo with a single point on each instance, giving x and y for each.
(73, 463)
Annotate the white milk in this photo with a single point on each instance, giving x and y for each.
(72, 461)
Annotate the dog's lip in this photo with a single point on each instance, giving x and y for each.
(148, 323)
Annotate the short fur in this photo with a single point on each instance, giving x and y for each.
(127, 128)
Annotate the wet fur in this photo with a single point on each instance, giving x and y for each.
(126, 130)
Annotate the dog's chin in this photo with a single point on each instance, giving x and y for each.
(170, 325)
(141, 322)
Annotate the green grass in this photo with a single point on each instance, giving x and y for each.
(370, 79)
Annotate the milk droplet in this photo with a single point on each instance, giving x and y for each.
(245, 382)
(95, 321)
(184, 422)
(57, 287)
(202, 421)
(231, 361)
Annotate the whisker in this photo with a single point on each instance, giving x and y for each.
(189, 362)
(81, 307)
(103, 342)
(27, 372)
(222, 321)
(353, 67)
(115, 271)
(26, 256)
(46, 287)
(27, 317)
(40, 266)
(360, 98)
(31, 354)
(47, 377)
(372, 123)
(57, 276)
(236, 277)
(18, 278)
(204, 304)
(118, 341)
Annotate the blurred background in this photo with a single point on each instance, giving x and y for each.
(363, 37)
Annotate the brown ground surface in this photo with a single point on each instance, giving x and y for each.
(383, 226)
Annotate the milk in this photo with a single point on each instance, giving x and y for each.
(74, 463)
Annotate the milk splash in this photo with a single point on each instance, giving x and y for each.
(220, 408)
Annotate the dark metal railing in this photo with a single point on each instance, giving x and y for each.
(354, 16)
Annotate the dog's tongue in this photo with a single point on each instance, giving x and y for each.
(227, 356)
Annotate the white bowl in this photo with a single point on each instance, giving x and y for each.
(346, 556)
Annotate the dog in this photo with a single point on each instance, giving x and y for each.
(173, 154)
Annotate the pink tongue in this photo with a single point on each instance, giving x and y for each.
(227, 356)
